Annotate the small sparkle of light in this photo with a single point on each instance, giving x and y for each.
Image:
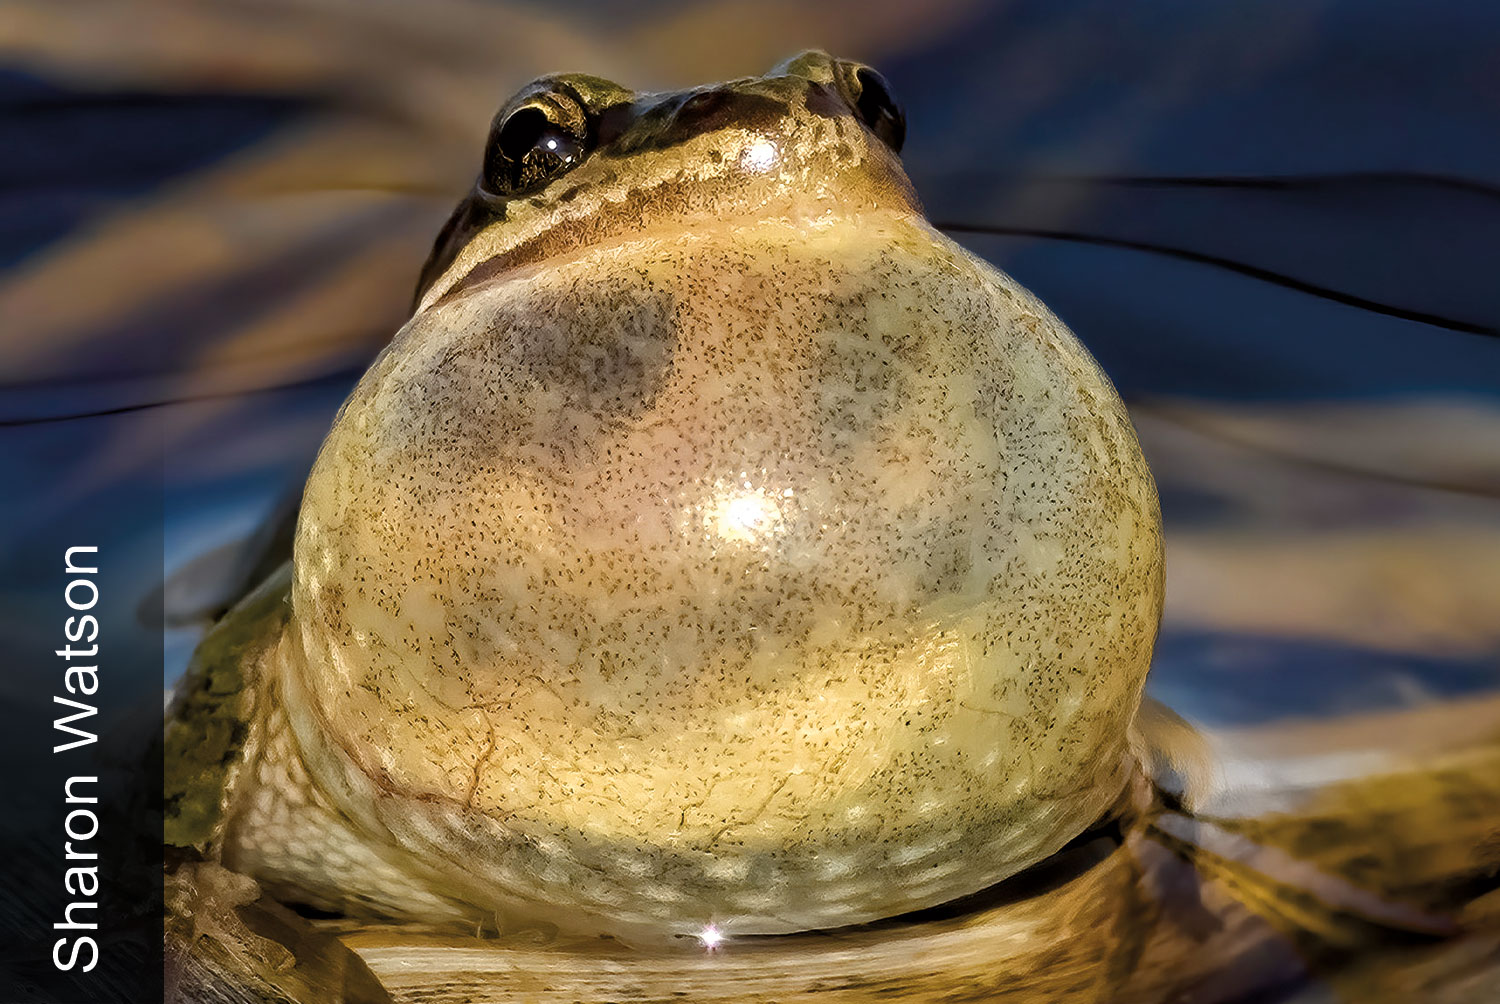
(747, 516)
(711, 937)
(760, 156)
(552, 144)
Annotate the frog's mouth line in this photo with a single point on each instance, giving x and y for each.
(633, 218)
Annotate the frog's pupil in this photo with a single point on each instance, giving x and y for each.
(553, 152)
(528, 150)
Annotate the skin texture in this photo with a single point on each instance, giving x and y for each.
(718, 544)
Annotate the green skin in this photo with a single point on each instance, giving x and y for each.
(717, 545)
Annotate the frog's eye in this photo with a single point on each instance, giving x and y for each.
(873, 101)
(532, 144)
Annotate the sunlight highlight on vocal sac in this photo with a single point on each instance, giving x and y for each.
(747, 515)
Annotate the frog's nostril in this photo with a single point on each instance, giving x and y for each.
(701, 107)
(716, 108)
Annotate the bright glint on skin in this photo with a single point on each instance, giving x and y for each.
(746, 516)
(760, 156)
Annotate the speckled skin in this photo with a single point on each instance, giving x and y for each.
(717, 544)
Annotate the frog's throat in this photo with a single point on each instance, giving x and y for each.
(414, 651)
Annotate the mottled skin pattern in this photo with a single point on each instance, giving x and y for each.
(717, 544)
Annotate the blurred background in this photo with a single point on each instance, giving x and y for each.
(1274, 223)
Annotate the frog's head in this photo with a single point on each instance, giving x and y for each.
(719, 543)
(573, 160)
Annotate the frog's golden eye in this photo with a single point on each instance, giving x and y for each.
(535, 142)
(872, 99)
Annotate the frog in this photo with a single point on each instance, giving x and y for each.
(719, 552)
